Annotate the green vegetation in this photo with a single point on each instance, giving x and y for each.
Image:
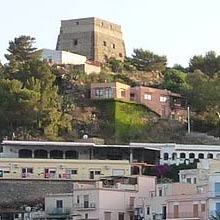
(131, 121)
(30, 105)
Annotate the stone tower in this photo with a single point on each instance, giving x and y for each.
(92, 37)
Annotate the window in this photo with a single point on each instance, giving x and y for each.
(194, 180)
(191, 155)
(78, 199)
(75, 42)
(201, 156)
(188, 180)
(217, 188)
(74, 172)
(26, 172)
(217, 206)
(163, 98)
(121, 216)
(210, 156)
(182, 155)
(113, 46)
(104, 43)
(174, 156)
(97, 172)
(59, 204)
(123, 93)
(86, 216)
(108, 93)
(77, 23)
(148, 210)
(202, 207)
(99, 92)
(147, 96)
(120, 54)
(165, 156)
(160, 192)
(86, 201)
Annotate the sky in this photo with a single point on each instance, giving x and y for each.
(178, 29)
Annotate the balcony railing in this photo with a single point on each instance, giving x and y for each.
(186, 215)
(58, 211)
(214, 194)
(82, 206)
(130, 207)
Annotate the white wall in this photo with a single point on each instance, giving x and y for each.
(62, 57)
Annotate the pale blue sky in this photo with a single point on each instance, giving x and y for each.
(178, 29)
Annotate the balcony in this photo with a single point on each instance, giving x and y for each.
(186, 215)
(58, 211)
(84, 206)
(130, 207)
(214, 194)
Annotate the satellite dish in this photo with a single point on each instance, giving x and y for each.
(85, 136)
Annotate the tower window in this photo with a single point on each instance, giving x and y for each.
(113, 46)
(104, 43)
(75, 42)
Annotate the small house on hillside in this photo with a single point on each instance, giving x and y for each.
(162, 101)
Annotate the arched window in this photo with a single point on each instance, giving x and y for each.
(72, 154)
(165, 156)
(201, 156)
(182, 155)
(135, 170)
(210, 156)
(56, 154)
(40, 154)
(24, 153)
(191, 155)
(174, 156)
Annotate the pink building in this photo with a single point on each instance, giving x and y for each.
(108, 199)
(187, 203)
(163, 102)
(173, 201)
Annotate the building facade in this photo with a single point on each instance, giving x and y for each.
(110, 90)
(108, 199)
(163, 102)
(94, 38)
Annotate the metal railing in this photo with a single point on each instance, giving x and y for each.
(58, 211)
(198, 215)
(82, 206)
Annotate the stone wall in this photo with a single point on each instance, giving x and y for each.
(92, 37)
(15, 194)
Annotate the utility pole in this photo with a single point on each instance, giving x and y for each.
(188, 119)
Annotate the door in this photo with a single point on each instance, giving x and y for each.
(195, 210)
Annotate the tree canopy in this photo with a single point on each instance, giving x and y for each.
(30, 102)
(208, 64)
(145, 60)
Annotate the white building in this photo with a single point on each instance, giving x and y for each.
(171, 153)
(62, 57)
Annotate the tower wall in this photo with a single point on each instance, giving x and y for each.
(91, 37)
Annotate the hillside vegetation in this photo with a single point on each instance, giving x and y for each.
(38, 101)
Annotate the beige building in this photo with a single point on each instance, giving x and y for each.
(17, 168)
(110, 90)
(92, 37)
